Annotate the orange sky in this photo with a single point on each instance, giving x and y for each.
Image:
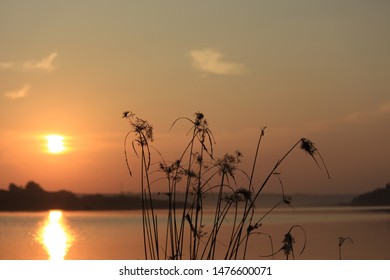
(315, 69)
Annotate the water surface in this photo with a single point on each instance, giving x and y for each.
(114, 235)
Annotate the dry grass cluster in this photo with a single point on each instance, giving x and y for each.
(196, 173)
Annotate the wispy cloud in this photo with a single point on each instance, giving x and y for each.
(212, 61)
(20, 93)
(384, 108)
(45, 64)
(352, 118)
(7, 65)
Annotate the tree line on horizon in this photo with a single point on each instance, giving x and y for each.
(378, 197)
(34, 198)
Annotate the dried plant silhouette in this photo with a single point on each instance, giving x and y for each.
(197, 173)
(341, 242)
(289, 243)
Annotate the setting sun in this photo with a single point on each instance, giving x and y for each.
(55, 144)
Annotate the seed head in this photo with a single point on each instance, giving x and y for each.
(199, 116)
(308, 146)
(288, 243)
(228, 163)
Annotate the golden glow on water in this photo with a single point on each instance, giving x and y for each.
(55, 237)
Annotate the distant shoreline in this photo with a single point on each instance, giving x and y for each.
(33, 198)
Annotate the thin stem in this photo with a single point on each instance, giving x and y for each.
(341, 242)
(198, 196)
(255, 158)
(250, 184)
(181, 232)
(217, 217)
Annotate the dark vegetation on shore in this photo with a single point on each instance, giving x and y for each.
(378, 197)
(34, 198)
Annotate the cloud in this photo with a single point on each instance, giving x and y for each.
(20, 93)
(7, 65)
(384, 108)
(353, 118)
(45, 64)
(212, 61)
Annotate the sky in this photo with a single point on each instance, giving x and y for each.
(304, 68)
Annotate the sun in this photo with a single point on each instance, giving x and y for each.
(55, 143)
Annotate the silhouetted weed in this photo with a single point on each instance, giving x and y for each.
(196, 173)
(341, 242)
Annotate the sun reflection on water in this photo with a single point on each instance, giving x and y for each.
(55, 237)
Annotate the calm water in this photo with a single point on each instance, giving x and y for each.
(118, 234)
